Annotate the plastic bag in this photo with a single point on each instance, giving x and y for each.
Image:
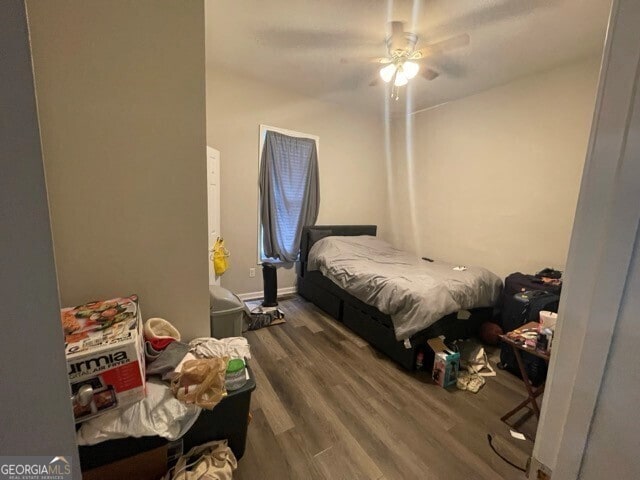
(474, 358)
(201, 382)
(159, 413)
(220, 257)
(216, 462)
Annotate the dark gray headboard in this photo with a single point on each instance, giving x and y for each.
(339, 230)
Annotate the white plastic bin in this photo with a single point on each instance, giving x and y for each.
(227, 313)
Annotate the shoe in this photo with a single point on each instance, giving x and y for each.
(475, 384)
(463, 380)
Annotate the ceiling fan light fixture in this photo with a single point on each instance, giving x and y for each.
(410, 69)
(401, 78)
(386, 73)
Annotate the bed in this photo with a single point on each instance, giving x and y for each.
(391, 333)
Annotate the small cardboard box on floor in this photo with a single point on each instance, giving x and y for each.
(149, 465)
(105, 355)
(446, 363)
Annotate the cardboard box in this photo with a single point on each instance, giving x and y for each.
(149, 465)
(446, 363)
(105, 355)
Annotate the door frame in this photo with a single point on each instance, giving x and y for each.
(600, 253)
(213, 155)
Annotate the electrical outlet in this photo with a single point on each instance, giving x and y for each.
(252, 272)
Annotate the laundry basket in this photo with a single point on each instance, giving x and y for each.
(227, 313)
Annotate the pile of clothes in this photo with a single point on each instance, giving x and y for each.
(182, 379)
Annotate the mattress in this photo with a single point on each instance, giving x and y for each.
(414, 292)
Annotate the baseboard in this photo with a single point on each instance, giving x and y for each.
(257, 295)
(538, 470)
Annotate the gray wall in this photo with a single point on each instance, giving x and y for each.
(121, 96)
(36, 411)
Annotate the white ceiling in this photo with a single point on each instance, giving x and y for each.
(298, 44)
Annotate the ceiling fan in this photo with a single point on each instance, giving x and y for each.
(402, 62)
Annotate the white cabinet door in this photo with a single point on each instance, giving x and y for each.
(213, 206)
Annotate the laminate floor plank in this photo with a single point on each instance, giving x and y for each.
(329, 406)
(276, 414)
(300, 461)
(394, 457)
(265, 336)
(263, 458)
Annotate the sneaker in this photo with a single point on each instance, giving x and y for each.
(463, 381)
(475, 384)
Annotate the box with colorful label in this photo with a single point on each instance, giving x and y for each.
(446, 363)
(105, 355)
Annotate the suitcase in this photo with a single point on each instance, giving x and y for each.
(519, 309)
(521, 282)
(518, 283)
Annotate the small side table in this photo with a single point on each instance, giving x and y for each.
(532, 392)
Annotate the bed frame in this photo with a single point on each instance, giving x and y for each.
(367, 321)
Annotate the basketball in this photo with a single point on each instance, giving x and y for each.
(489, 332)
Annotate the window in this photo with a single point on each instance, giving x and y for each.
(289, 195)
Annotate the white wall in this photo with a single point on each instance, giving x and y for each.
(121, 95)
(496, 174)
(36, 411)
(591, 373)
(351, 163)
(615, 415)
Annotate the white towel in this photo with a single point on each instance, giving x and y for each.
(232, 347)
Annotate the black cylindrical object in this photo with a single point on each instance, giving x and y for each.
(270, 281)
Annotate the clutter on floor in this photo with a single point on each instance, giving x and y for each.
(166, 363)
(524, 298)
(446, 363)
(215, 461)
(103, 346)
(236, 375)
(469, 381)
(232, 347)
(490, 333)
(107, 344)
(503, 449)
(160, 413)
(228, 420)
(201, 382)
(531, 339)
(148, 465)
(262, 317)
(473, 358)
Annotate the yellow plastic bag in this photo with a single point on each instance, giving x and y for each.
(220, 257)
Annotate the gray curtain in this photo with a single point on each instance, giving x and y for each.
(289, 193)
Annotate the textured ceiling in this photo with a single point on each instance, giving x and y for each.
(298, 44)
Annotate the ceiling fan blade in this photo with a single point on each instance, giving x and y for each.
(378, 60)
(396, 39)
(375, 81)
(396, 29)
(443, 46)
(430, 74)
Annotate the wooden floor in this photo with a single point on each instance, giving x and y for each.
(328, 406)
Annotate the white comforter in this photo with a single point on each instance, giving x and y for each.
(414, 292)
